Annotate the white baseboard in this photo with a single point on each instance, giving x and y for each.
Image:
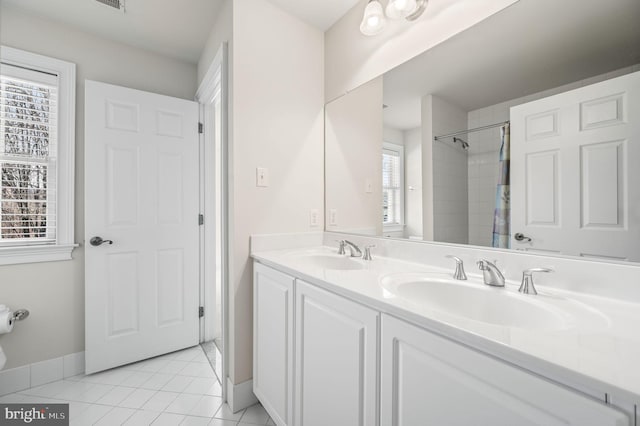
(39, 373)
(240, 396)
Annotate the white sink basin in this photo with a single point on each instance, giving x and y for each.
(491, 305)
(329, 261)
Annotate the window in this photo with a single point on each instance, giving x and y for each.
(392, 187)
(37, 114)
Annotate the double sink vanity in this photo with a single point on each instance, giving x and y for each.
(403, 339)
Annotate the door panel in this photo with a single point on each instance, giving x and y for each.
(542, 192)
(141, 192)
(603, 191)
(573, 179)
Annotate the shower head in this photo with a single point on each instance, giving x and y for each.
(464, 143)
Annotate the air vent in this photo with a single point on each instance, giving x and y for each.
(116, 4)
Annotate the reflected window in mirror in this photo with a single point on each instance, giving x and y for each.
(392, 187)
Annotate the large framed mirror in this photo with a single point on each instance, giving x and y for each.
(522, 132)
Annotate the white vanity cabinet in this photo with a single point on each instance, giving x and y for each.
(429, 380)
(322, 359)
(273, 342)
(335, 364)
(336, 360)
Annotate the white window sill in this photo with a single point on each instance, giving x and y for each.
(34, 254)
(393, 228)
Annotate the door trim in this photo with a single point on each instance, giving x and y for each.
(215, 84)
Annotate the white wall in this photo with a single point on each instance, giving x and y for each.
(484, 149)
(391, 135)
(278, 123)
(54, 292)
(444, 173)
(221, 31)
(427, 134)
(413, 182)
(450, 199)
(352, 59)
(353, 148)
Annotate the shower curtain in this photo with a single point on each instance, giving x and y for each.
(502, 212)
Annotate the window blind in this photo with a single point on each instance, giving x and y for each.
(391, 187)
(28, 150)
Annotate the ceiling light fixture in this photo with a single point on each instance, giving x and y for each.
(398, 9)
(373, 21)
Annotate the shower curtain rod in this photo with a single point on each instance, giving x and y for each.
(464, 132)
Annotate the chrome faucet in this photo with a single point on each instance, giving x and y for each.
(341, 243)
(459, 273)
(354, 250)
(492, 275)
(527, 287)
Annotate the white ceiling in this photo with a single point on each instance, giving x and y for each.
(321, 14)
(174, 28)
(531, 46)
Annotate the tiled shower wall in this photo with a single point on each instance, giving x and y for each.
(450, 181)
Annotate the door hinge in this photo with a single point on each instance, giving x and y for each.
(201, 311)
(200, 219)
(200, 128)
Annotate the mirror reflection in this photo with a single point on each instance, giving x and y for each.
(508, 135)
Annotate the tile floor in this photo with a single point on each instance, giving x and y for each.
(179, 388)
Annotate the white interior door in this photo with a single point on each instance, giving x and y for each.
(142, 193)
(575, 174)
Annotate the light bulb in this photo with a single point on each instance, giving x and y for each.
(398, 9)
(373, 21)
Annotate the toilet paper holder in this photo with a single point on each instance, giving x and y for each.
(20, 315)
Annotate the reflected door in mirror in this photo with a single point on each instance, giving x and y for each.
(575, 186)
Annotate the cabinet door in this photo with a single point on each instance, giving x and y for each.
(273, 342)
(336, 360)
(429, 380)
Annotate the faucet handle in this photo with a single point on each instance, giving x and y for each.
(367, 252)
(459, 272)
(482, 264)
(527, 286)
(491, 274)
(341, 247)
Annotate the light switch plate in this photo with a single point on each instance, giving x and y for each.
(333, 217)
(262, 177)
(314, 217)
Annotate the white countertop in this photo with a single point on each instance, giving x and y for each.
(601, 355)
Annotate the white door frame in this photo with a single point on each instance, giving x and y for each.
(213, 87)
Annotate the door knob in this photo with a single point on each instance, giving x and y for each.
(521, 237)
(98, 241)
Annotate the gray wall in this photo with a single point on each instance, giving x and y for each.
(54, 291)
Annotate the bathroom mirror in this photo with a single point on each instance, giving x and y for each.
(416, 152)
